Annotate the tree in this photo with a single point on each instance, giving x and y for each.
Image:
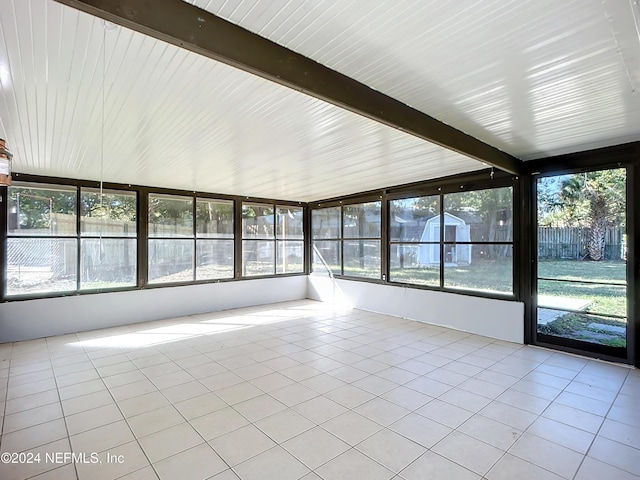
(593, 200)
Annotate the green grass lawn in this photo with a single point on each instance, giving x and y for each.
(609, 298)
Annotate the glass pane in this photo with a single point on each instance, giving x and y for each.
(582, 326)
(289, 223)
(258, 257)
(362, 220)
(112, 214)
(107, 263)
(45, 210)
(170, 261)
(479, 216)
(415, 219)
(257, 221)
(487, 268)
(290, 257)
(586, 297)
(582, 246)
(325, 223)
(613, 272)
(214, 259)
(214, 218)
(170, 216)
(41, 265)
(362, 258)
(326, 257)
(416, 264)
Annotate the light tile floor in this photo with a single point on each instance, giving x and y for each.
(300, 390)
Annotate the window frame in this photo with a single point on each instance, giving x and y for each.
(142, 193)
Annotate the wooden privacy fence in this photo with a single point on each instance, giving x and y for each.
(569, 243)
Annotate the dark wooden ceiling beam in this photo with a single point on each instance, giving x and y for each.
(192, 28)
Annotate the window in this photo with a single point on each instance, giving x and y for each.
(272, 239)
(326, 243)
(214, 244)
(289, 240)
(171, 239)
(414, 236)
(42, 243)
(478, 240)
(108, 251)
(346, 240)
(258, 246)
(361, 240)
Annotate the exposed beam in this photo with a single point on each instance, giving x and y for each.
(189, 27)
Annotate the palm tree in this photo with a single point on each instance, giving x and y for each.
(598, 200)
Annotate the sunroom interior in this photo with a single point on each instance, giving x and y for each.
(466, 171)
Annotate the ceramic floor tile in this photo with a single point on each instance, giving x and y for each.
(616, 454)
(274, 464)
(221, 380)
(550, 456)
(391, 449)
(469, 452)
(31, 417)
(432, 466)
(324, 385)
(592, 469)
(154, 421)
(184, 392)
(28, 402)
(172, 379)
(375, 385)
(117, 462)
(428, 386)
(124, 378)
(465, 399)
(512, 416)
(145, 473)
(170, 441)
(510, 467)
(241, 444)
(562, 434)
(349, 396)
(87, 420)
(353, 464)
(530, 403)
(381, 411)
(102, 438)
(352, 427)
(66, 472)
(320, 409)
(284, 425)
(294, 394)
(218, 423)
(143, 403)
(625, 414)
(421, 430)
(124, 392)
(226, 475)
(315, 447)
(55, 451)
(31, 437)
(445, 413)
(573, 417)
(239, 393)
(77, 377)
(621, 432)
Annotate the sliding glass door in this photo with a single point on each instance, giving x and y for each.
(582, 249)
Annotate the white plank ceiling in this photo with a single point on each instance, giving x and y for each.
(531, 78)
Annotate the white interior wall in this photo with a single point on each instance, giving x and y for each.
(29, 319)
(493, 318)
